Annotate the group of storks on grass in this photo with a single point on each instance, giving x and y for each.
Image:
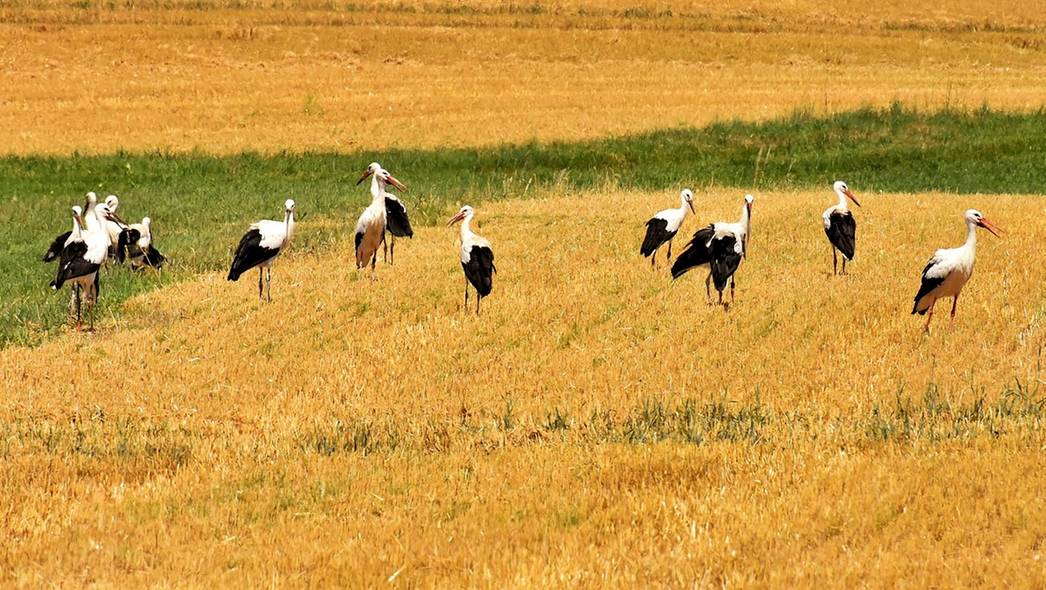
(97, 236)
(722, 246)
(101, 235)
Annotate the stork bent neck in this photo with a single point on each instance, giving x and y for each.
(377, 188)
(466, 227)
(971, 236)
(843, 206)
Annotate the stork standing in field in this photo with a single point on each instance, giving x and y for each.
(840, 226)
(664, 225)
(950, 268)
(260, 246)
(396, 223)
(370, 228)
(81, 258)
(721, 246)
(477, 258)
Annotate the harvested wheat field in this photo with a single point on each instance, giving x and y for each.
(228, 76)
(598, 424)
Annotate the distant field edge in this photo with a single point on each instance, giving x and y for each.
(894, 148)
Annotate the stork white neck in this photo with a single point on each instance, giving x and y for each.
(466, 226)
(843, 206)
(745, 221)
(682, 204)
(971, 235)
(377, 188)
(288, 221)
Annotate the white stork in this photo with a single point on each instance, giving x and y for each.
(81, 258)
(664, 225)
(260, 246)
(840, 226)
(113, 228)
(477, 258)
(55, 249)
(137, 241)
(949, 268)
(396, 223)
(721, 245)
(370, 228)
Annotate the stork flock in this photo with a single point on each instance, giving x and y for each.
(723, 245)
(98, 235)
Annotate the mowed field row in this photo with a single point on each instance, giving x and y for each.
(598, 423)
(350, 77)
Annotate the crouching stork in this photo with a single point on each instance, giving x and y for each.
(950, 268)
(136, 240)
(260, 246)
(664, 225)
(477, 258)
(840, 226)
(721, 246)
(397, 224)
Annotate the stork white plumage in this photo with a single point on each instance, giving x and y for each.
(664, 225)
(260, 246)
(840, 226)
(477, 257)
(949, 269)
(113, 228)
(721, 246)
(370, 228)
(82, 256)
(397, 224)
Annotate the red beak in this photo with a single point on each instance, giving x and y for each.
(366, 173)
(853, 198)
(988, 225)
(456, 219)
(396, 183)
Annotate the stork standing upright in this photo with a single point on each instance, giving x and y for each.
(81, 258)
(477, 257)
(260, 246)
(721, 246)
(664, 225)
(840, 226)
(396, 223)
(950, 268)
(370, 228)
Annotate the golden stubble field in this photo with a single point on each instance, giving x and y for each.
(354, 433)
(346, 76)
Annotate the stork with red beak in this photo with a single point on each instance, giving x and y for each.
(721, 246)
(950, 268)
(477, 257)
(370, 229)
(840, 226)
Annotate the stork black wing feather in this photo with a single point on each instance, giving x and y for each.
(55, 249)
(479, 269)
(153, 257)
(725, 260)
(928, 284)
(695, 253)
(396, 220)
(249, 254)
(842, 233)
(656, 234)
(72, 264)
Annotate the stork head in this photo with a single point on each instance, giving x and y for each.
(103, 211)
(974, 217)
(374, 168)
(466, 211)
(147, 222)
(78, 215)
(92, 200)
(749, 199)
(687, 196)
(113, 201)
(288, 206)
(841, 189)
